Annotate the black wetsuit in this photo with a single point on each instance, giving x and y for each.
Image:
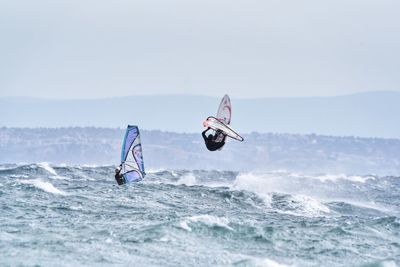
(211, 144)
(118, 177)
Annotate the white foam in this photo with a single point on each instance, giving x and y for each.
(18, 176)
(7, 168)
(184, 225)
(45, 186)
(281, 181)
(264, 185)
(156, 170)
(307, 194)
(46, 166)
(206, 219)
(364, 204)
(187, 179)
(92, 165)
(260, 184)
(389, 264)
(302, 205)
(269, 263)
(264, 262)
(335, 178)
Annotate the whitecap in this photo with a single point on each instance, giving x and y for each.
(7, 167)
(76, 208)
(18, 176)
(184, 225)
(156, 170)
(92, 166)
(269, 263)
(187, 179)
(45, 186)
(267, 184)
(206, 219)
(260, 184)
(263, 262)
(301, 205)
(389, 264)
(335, 178)
(46, 166)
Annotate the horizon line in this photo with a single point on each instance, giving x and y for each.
(189, 133)
(195, 95)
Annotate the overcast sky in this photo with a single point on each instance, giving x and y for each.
(249, 48)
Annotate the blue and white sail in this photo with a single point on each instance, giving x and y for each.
(132, 165)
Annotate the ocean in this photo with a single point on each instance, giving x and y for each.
(60, 215)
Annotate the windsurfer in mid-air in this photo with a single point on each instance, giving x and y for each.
(211, 140)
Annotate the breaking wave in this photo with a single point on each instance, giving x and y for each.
(196, 218)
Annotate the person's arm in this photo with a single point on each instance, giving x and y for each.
(204, 133)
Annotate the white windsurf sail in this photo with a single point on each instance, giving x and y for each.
(217, 124)
(224, 114)
(225, 110)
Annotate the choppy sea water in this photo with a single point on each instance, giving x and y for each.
(77, 215)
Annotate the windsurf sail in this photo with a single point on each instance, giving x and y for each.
(132, 165)
(218, 124)
(225, 110)
(224, 114)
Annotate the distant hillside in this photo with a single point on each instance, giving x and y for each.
(299, 153)
(367, 115)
